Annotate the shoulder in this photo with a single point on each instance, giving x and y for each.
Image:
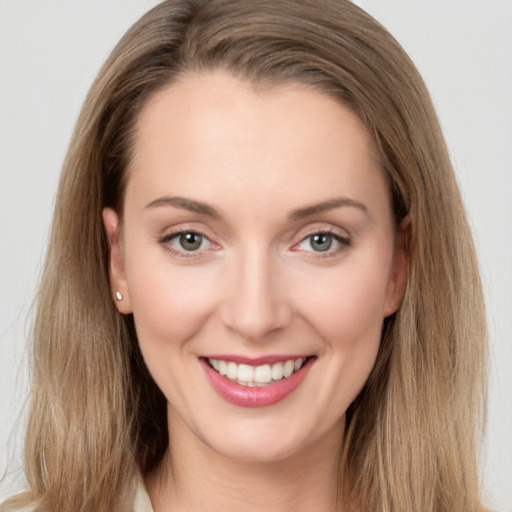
(22, 502)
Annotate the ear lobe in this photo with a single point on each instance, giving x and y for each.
(118, 284)
(398, 278)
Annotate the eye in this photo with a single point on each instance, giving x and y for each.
(186, 243)
(320, 242)
(323, 242)
(189, 241)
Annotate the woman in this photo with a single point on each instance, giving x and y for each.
(261, 288)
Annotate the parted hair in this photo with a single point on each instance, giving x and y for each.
(97, 418)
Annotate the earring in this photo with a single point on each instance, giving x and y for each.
(119, 297)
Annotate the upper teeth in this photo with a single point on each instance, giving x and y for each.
(256, 375)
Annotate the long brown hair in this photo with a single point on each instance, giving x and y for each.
(96, 417)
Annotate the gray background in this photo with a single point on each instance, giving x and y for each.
(50, 51)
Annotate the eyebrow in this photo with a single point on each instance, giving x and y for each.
(185, 204)
(301, 213)
(324, 206)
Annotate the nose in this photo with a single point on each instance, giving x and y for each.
(255, 304)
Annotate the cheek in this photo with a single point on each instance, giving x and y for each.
(345, 308)
(169, 302)
(346, 303)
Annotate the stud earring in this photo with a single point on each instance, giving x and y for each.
(119, 297)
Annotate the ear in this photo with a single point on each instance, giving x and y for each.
(117, 275)
(398, 278)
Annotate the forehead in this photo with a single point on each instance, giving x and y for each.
(196, 98)
(214, 132)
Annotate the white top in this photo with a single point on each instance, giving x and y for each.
(141, 503)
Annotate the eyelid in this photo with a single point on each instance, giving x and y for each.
(342, 237)
(323, 228)
(165, 239)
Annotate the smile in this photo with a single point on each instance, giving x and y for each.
(256, 376)
(256, 383)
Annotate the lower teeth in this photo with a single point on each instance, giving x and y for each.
(254, 384)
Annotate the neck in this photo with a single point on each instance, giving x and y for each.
(193, 477)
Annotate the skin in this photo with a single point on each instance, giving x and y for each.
(256, 286)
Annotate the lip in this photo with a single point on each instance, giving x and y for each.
(256, 361)
(244, 396)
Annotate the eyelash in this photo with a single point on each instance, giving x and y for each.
(183, 253)
(344, 242)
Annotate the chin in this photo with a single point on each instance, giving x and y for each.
(265, 442)
(258, 451)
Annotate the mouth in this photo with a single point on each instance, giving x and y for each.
(256, 376)
(256, 383)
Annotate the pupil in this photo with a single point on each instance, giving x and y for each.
(190, 241)
(321, 242)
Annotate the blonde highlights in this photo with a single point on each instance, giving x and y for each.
(96, 416)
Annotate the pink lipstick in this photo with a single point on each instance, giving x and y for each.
(255, 382)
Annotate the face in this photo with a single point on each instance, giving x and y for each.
(259, 257)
